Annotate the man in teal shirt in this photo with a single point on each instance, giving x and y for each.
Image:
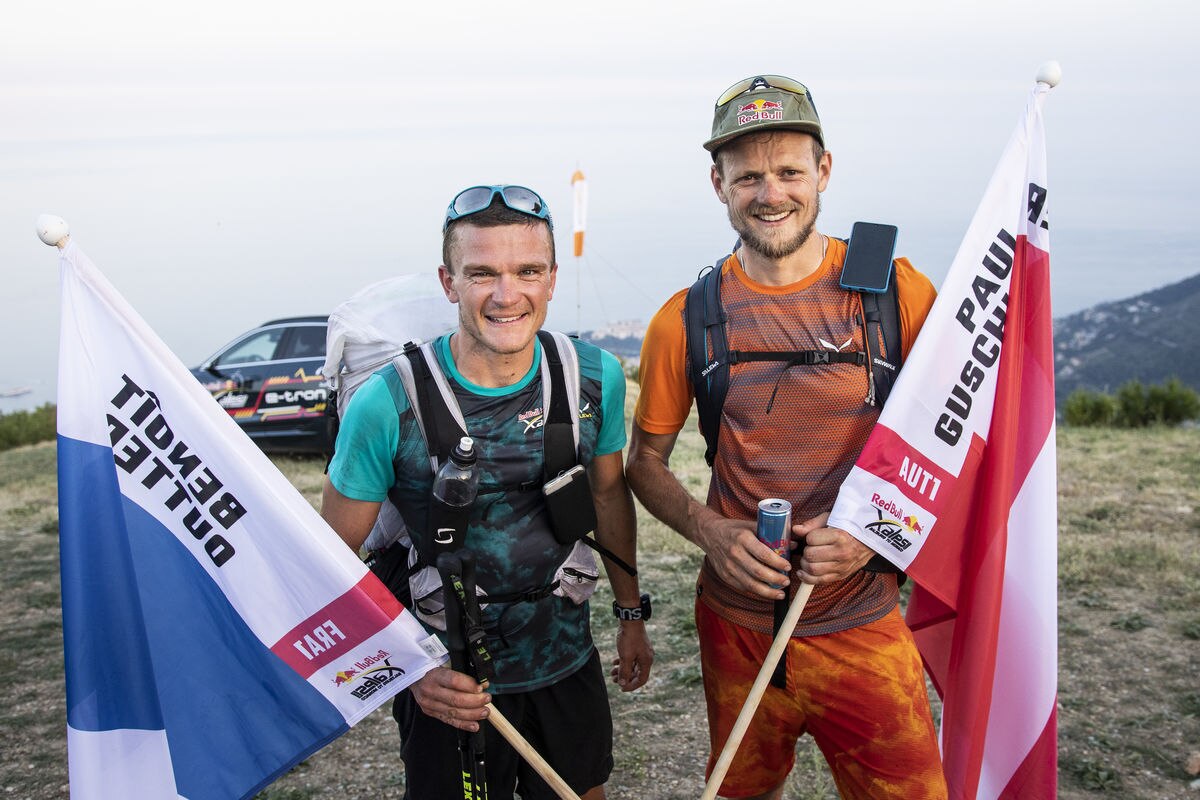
(499, 268)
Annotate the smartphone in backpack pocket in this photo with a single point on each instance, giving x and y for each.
(868, 265)
(570, 506)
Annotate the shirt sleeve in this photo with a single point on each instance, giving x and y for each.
(612, 412)
(916, 295)
(665, 398)
(368, 436)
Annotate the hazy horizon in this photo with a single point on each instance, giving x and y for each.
(228, 164)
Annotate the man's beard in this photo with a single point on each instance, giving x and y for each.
(772, 249)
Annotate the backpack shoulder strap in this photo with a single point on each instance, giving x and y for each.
(560, 435)
(560, 390)
(708, 353)
(881, 321)
(881, 312)
(439, 417)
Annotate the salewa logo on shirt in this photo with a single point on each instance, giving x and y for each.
(832, 346)
(585, 411)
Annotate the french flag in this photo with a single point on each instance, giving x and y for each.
(957, 486)
(216, 631)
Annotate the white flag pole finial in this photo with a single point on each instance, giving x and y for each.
(53, 230)
(1049, 73)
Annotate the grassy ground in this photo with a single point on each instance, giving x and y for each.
(1129, 644)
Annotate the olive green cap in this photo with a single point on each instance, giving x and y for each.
(763, 102)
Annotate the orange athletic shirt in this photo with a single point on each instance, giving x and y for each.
(803, 448)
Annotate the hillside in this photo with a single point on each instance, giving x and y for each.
(623, 339)
(1141, 338)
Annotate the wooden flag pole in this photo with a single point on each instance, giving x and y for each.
(526, 751)
(756, 692)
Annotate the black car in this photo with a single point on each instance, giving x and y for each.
(269, 380)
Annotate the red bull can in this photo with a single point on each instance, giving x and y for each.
(775, 525)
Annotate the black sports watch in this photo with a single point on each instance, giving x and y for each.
(641, 612)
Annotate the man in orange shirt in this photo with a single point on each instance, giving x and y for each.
(853, 676)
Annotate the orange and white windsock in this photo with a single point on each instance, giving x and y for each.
(579, 183)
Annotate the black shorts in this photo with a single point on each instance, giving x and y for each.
(569, 724)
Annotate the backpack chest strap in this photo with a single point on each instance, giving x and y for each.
(796, 358)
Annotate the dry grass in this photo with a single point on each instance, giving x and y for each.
(1129, 615)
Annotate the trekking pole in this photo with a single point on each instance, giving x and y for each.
(497, 719)
(756, 692)
(477, 653)
(450, 570)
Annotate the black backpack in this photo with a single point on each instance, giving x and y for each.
(709, 356)
(442, 425)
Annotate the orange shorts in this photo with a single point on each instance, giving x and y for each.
(859, 692)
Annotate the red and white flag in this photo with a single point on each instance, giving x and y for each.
(956, 485)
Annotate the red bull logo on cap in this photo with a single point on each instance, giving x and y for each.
(759, 111)
(345, 676)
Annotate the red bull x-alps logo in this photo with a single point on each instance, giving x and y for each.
(370, 675)
(532, 419)
(759, 111)
(535, 419)
(893, 523)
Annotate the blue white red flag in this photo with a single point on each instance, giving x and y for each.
(216, 630)
(957, 486)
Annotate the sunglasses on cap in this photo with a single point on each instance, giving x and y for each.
(764, 82)
(477, 198)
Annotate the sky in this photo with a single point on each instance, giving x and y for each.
(225, 163)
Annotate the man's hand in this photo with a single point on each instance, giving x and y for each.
(830, 554)
(452, 697)
(631, 667)
(739, 558)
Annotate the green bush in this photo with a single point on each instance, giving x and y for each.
(27, 427)
(1088, 409)
(1133, 406)
(1173, 403)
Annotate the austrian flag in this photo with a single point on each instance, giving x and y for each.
(956, 485)
(216, 631)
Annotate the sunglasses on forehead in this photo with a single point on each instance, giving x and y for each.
(477, 198)
(764, 82)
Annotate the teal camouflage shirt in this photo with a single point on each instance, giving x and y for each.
(533, 644)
